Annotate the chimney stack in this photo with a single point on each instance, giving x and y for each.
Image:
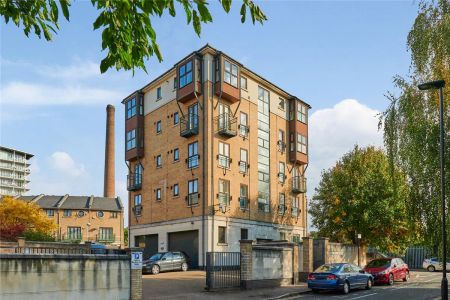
(109, 183)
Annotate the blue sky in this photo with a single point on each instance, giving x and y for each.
(338, 56)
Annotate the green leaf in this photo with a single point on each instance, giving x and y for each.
(226, 4)
(54, 11)
(196, 23)
(65, 8)
(243, 13)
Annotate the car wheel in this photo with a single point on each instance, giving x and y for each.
(431, 268)
(184, 267)
(406, 276)
(369, 284)
(155, 269)
(391, 279)
(346, 288)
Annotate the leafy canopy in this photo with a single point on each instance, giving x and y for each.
(127, 32)
(18, 217)
(361, 194)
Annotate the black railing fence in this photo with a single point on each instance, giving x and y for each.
(223, 270)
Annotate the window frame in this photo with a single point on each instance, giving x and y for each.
(233, 78)
(176, 118)
(158, 194)
(243, 161)
(224, 155)
(176, 190)
(222, 236)
(67, 213)
(302, 113)
(243, 80)
(193, 163)
(137, 197)
(176, 154)
(158, 93)
(158, 127)
(131, 139)
(245, 236)
(183, 74)
(302, 143)
(158, 161)
(281, 104)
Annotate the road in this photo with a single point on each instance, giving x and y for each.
(423, 286)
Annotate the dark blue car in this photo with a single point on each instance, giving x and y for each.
(342, 277)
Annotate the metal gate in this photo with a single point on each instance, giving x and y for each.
(223, 270)
(415, 255)
(318, 253)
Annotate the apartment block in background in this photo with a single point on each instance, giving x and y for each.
(216, 154)
(14, 171)
(84, 218)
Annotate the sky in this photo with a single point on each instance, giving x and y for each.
(339, 56)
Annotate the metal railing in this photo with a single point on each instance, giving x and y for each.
(281, 209)
(263, 207)
(224, 161)
(298, 184)
(224, 198)
(243, 167)
(243, 203)
(192, 199)
(189, 125)
(134, 182)
(106, 238)
(294, 211)
(137, 210)
(51, 250)
(226, 125)
(243, 130)
(281, 146)
(223, 270)
(193, 161)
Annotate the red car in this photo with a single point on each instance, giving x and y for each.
(388, 270)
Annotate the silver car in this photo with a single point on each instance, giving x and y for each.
(433, 264)
(165, 261)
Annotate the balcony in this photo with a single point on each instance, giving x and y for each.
(281, 146)
(134, 182)
(243, 203)
(224, 198)
(243, 130)
(193, 161)
(106, 238)
(281, 209)
(243, 167)
(263, 207)
(298, 184)
(226, 125)
(189, 125)
(224, 161)
(137, 210)
(294, 211)
(192, 199)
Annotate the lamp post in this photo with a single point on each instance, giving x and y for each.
(439, 84)
(359, 242)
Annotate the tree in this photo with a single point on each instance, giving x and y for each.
(410, 123)
(362, 194)
(125, 236)
(128, 34)
(19, 217)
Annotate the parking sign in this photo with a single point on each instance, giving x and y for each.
(136, 260)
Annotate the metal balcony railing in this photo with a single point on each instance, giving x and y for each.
(281, 209)
(298, 184)
(193, 161)
(134, 182)
(106, 238)
(243, 130)
(281, 177)
(137, 210)
(189, 125)
(281, 146)
(192, 199)
(263, 207)
(243, 203)
(224, 161)
(226, 125)
(224, 198)
(243, 167)
(294, 211)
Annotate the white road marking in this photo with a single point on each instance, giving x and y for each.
(363, 296)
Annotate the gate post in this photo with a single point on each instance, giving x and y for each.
(135, 273)
(307, 258)
(246, 262)
(295, 264)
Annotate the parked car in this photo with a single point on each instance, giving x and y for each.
(342, 276)
(388, 270)
(433, 264)
(165, 261)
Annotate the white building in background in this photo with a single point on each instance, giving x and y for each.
(14, 171)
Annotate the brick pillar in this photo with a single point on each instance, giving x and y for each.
(135, 279)
(295, 264)
(246, 263)
(109, 180)
(307, 258)
(21, 242)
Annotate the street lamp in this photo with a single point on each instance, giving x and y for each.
(439, 84)
(358, 240)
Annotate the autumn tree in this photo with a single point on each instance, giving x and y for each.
(19, 218)
(361, 194)
(411, 122)
(127, 32)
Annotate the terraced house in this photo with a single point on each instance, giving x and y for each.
(216, 153)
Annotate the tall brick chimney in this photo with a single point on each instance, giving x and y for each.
(109, 183)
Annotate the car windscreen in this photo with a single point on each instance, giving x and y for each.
(156, 256)
(379, 263)
(328, 269)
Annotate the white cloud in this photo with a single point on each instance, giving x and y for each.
(22, 93)
(63, 163)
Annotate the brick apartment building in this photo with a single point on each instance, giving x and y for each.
(216, 153)
(84, 218)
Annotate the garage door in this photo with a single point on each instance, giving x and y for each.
(186, 241)
(151, 244)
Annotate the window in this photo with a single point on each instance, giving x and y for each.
(244, 234)
(230, 73)
(302, 143)
(113, 215)
(283, 236)
(81, 213)
(193, 158)
(294, 207)
(158, 127)
(131, 139)
(50, 212)
(243, 83)
(222, 235)
(132, 108)
(243, 126)
(138, 174)
(224, 155)
(100, 214)
(158, 94)
(174, 83)
(176, 190)
(281, 103)
(106, 234)
(302, 113)
(281, 172)
(291, 142)
(224, 192)
(158, 161)
(73, 233)
(281, 144)
(193, 192)
(185, 74)
(282, 204)
(243, 198)
(67, 213)
(137, 200)
(176, 118)
(291, 110)
(296, 238)
(176, 154)
(243, 163)
(158, 194)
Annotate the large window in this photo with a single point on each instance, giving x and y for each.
(193, 192)
(302, 143)
(106, 234)
(302, 113)
(133, 108)
(263, 151)
(243, 83)
(222, 235)
(294, 208)
(224, 155)
(224, 192)
(138, 174)
(185, 74)
(192, 160)
(73, 233)
(131, 139)
(158, 194)
(243, 126)
(137, 200)
(230, 73)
